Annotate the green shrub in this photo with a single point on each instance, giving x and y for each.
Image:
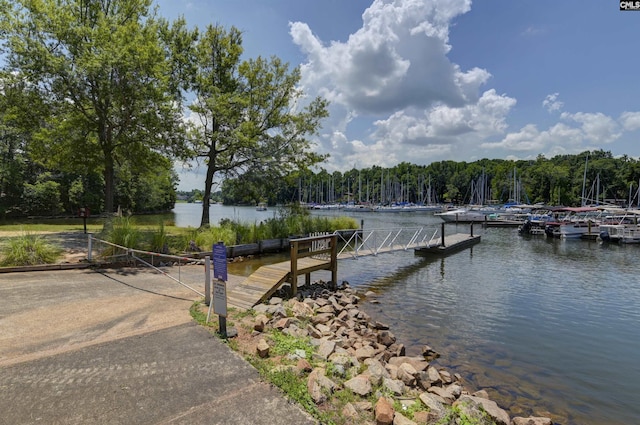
(120, 231)
(160, 240)
(28, 250)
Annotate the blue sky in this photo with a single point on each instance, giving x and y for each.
(430, 80)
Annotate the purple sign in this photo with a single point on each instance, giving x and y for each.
(220, 261)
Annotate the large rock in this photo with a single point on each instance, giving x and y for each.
(321, 318)
(262, 348)
(313, 332)
(386, 338)
(407, 374)
(282, 323)
(418, 363)
(326, 349)
(301, 310)
(314, 388)
(327, 309)
(376, 371)
(384, 412)
(400, 419)
(468, 403)
(433, 404)
(349, 411)
(303, 366)
(366, 352)
(359, 385)
(449, 393)
(395, 386)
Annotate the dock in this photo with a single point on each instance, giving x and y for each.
(452, 243)
(320, 253)
(307, 255)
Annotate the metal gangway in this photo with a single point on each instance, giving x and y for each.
(364, 242)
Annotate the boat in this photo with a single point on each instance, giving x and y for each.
(574, 223)
(261, 207)
(536, 220)
(626, 230)
(464, 215)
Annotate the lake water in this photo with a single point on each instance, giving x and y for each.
(547, 327)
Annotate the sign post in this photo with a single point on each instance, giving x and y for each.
(220, 286)
(83, 212)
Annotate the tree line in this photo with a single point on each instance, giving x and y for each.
(571, 180)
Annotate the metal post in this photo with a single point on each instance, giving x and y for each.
(89, 248)
(222, 321)
(442, 234)
(207, 280)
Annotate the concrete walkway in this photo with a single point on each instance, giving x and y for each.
(119, 347)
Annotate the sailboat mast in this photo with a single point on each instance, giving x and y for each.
(584, 179)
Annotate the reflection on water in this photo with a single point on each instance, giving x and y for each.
(548, 327)
(544, 326)
(189, 215)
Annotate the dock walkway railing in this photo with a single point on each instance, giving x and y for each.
(375, 241)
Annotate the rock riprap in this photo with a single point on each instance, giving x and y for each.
(362, 355)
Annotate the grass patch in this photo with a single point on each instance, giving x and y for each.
(283, 344)
(27, 250)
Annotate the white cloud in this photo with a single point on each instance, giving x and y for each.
(596, 127)
(395, 70)
(395, 74)
(397, 59)
(551, 103)
(630, 121)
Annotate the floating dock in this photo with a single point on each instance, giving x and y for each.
(452, 243)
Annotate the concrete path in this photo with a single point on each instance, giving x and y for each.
(119, 347)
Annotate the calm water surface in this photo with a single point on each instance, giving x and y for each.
(547, 327)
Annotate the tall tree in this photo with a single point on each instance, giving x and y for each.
(248, 118)
(105, 73)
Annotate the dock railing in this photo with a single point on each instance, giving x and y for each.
(375, 241)
(311, 254)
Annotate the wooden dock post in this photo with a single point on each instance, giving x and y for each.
(442, 234)
(318, 247)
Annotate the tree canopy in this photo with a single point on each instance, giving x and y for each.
(104, 74)
(248, 115)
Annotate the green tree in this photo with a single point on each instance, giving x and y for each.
(105, 73)
(247, 118)
(20, 111)
(43, 197)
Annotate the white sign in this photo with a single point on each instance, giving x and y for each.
(220, 298)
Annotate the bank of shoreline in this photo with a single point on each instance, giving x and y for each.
(360, 355)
